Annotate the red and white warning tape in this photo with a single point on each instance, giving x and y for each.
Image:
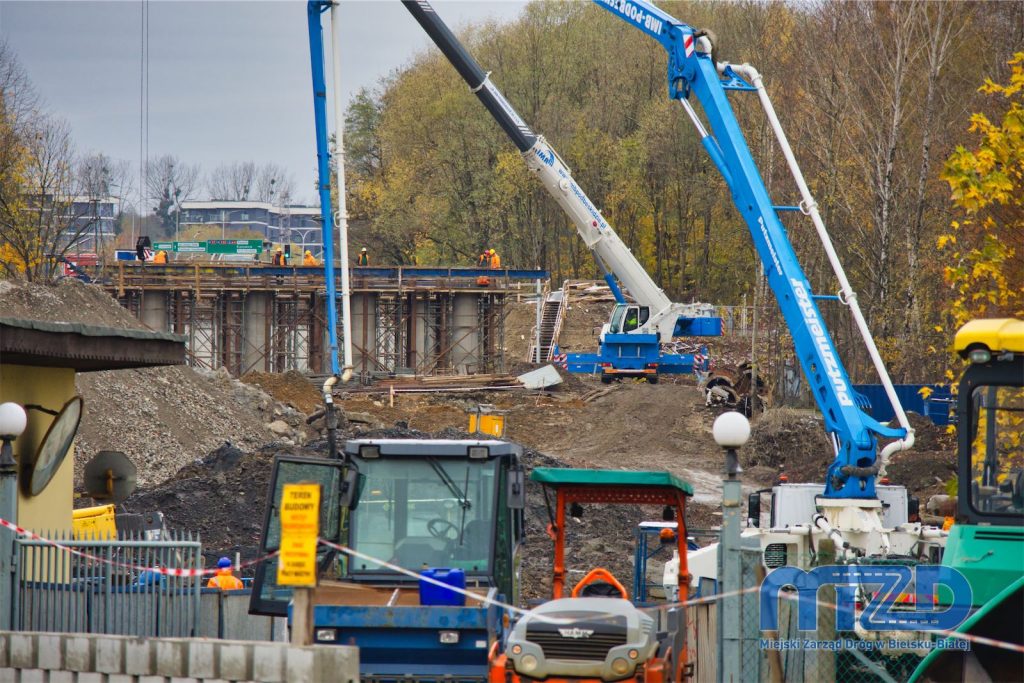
(185, 572)
(167, 571)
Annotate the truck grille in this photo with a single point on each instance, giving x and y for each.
(775, 555)
(593, 648)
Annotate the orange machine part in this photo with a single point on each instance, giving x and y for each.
(599, 574)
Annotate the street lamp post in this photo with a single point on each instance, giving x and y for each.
(12, 424)
(731, 430)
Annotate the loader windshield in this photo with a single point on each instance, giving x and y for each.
(997, 450)
(426, 512)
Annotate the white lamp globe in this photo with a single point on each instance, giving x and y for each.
(731, 430)
(12, 419)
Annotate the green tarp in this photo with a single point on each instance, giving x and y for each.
(564, 476)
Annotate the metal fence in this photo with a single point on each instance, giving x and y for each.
(55, 590)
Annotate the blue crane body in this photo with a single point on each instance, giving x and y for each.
(692, 70)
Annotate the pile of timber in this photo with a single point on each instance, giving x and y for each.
(588, 291)
(442, 383)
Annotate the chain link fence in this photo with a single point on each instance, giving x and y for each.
(821, 655)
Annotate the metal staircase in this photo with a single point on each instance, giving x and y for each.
(550, 326)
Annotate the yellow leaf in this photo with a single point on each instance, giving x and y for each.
(925, 392)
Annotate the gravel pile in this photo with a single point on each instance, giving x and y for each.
(70, 301)
(166, 418)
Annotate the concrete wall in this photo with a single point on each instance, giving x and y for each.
(225, 614)
(76, 658)
(50, 388)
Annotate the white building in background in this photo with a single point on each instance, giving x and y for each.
(292, 224)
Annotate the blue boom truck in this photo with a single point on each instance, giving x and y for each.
(417, 504)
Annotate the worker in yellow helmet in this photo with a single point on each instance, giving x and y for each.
(309, 260)
(495, 259)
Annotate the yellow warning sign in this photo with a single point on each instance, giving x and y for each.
(300, 527)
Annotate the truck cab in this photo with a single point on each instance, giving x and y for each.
(393, 508)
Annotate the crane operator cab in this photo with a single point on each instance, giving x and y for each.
(628, 318)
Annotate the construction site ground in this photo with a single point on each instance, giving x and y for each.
(204, 442)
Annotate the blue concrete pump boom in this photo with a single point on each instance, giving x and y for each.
(693, 70)
(314, 8)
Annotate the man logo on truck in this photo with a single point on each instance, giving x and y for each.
(576, 633)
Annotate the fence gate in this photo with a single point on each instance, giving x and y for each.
(103, 590)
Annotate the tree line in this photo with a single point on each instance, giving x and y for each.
(875, 97)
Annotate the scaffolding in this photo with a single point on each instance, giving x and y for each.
(405, 320)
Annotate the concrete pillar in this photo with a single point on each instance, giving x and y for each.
(465, 334)
(364, 329)
(419, 337)
(154, 310)
(255, 344)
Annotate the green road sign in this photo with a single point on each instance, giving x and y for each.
(212, 247)
(234, 247)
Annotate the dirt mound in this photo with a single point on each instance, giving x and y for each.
(790, 440)
(165, 418)
(291, 388)
(520, 319)
(929, 436)
(70, 301)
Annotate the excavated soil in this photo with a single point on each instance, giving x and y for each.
(204, 442)
(520, 320)
(291, 388)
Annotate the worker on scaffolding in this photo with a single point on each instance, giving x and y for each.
(278, 257)
(364, 258)
(309, 260)
(485, 259)
(225, 579)
(495, 261)
(161, 257)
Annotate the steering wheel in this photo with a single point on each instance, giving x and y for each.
(439, 528)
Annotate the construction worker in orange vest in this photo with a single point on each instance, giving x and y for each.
(161, 257)
(309, 260)
(224, 579)
(485, 259)
(495, 259)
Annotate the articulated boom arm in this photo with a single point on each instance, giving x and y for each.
(541, 158)
(691, 70)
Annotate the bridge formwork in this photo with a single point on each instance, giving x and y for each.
(405, 320)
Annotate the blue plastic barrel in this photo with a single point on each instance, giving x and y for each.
(432, 594)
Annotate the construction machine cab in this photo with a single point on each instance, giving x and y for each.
(416, 503)
(607, 637)
(628, 318)
(986, 542)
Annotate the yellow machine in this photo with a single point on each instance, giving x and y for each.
(487, 420)
(93, 523)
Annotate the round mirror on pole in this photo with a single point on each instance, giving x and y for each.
(52, 449)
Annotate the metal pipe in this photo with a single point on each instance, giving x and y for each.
(341, 217)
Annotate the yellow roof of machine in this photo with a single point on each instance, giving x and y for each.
(995, 334)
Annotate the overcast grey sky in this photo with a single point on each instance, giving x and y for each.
(228, 80)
